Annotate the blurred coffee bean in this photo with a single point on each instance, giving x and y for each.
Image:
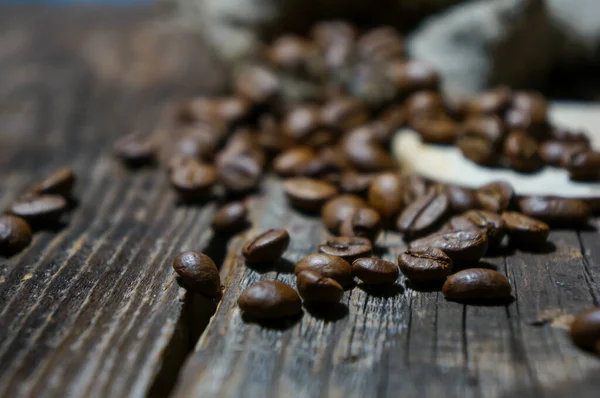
(307, 194)
(495, 196)
(364, 150)
(438, 130)
(257, 84)
(364, 223)
(39, 211)
(585, 330)
(393, 116)
(492, 224)
(553, 152)
(295, 162)
(556, 211)
(380, 44)
(301, 121)
(582, 165)
(230, 218)
(478, 150)
(15, 234)
(533, 104)
(385, 196)
(135, 150)
(194, 180)
(330, 32)
(338, 209)
(344, 113)
(461, 198)
(521, 153)
(289, 52)
(493, 102)
(355, 183)
(60, 183)
(424, 105)
(198, 272)
(413, 187)
(424, 214)
(347, 247)
(411, 76)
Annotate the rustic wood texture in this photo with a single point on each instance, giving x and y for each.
(93, 309)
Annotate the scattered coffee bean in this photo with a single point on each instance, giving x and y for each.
(355, 183)
(424, 265)
(493, 102)
(495, 197)
(289, 52)
(461, 198)
(461, 246)
(362, 147)
(135, 150)
(194, 180)
(492, 223)
(477, 284)
(533, 104)
(257, 84)
(270, 299)
(413, 187)
(521, 153)
(240, 171)
(301, 122)
(316, 288)
(364, 223)
(582, 165)
(330, 266)
(555, 210)
(15, 234)
(307, 194)
(39, 210)
(347, 247)
(424, 214)
(198, 272)
(553, 152)
(525, 231)
(344, 113)
(438, 130)
(268, 247)
(338, 209)
(585, 330)
(295, 162)
(385, 195)
(230, 218)
(60, 183)
(375, 271)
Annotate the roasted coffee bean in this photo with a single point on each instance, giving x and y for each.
(424, 214)
(477, 284)
(493, 102)
(523, 121)
(556, 211)
(307, 194)
(461, 198)
(39, 210)
(386, 194)
(585, 330)
(561, 134)
(411, 76)
(375, 271)
(492, 223)
(230, 218)
(413, 187)
(380, 44)
(495, 196)
(301, 122)
(135, 150)
(60, 182)
(525, 231)
(478, 150)
(553, 152)
(365, 152)
(347, 247)
(289, 52)
(438, 130)
(338, 209)
(316, 288)
(257, 84)
(198, 141)
(364, 223)
(333, 267)
(356, 183)
(460, 246)
(393, 116)
(328, 33)
(225, 111)
(582, 165)
(424, 265)
(269, 300)
(295, 162)
(521, 153)
(456, 108)
(424, 105)
(15, 234)
(267, 247)
(240, 172)
(533, 104)
(344, 113)
(198, 272)
(194, 180)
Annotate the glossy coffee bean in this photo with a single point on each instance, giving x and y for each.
(582, 165)
(385, 195)
(425, 265)
(39, 210)
(495, 196)
(230, 218)
(585, 330)
(411, 76)
(534, 104)
(60, 183)
(424, 214)
(424, 105)
(375, 271)
(461, 246)
(338, 209)
(521, 153)
(363, 150)
(489, 128)
(194, 180)
(440, 129)
(553, 152)
(240, 171)
(477, 284)
(135, 150)
(267, 247)
(478, 150)
(492, 223)
(269, 300)
(307, 194)
(347, 247)
(315, 288)
(15, 234)
(524, 231)
(413, 187)
(364, 223)
(461, 198)
(198, 141)
(493, 102)
(301, 121)
(295, 162)
(356, 183)
(330, 266)
(198, 273)
(344, 113)
(556, 211)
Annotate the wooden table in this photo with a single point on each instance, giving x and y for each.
(93, 309)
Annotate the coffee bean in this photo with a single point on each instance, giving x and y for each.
(330, 266)
(460, 246)
(268, 247)
(15, 234)
(198, 272)
(364, 151)
(478, 150)
(375, 271)
(316, 288)
(199, 141)
(364, 223)
(230, 218)
(289, 52)
(328, 33)
(525, 231)
(356, 183)
(380, 44)
(301, 122)
(135, 150)
(439, 130)
(533, 104)
(523, 121)
(562, 134)
(413, 187)
(257, 84)
(493, 102)
(495, 196)
(385, 195)
(60, 183)
(492, 223)
(553, 152)
(424, 105)
(307, 194)
(477, 284)
(344, 113)
(295, 162)
(521, 153)
(338, 209)
(194, 180)
(227, 112)
(583, 165)
(461, 198)
(270, 299)
(424, 214)
(39, 210)
(556, 211)
(411, 76)
(240, 170)
(347, 247)
(393, 116)
(585, 330)
(424, 265)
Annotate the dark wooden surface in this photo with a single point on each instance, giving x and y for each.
(93, 309)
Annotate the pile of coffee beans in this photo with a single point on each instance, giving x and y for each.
(41, 207)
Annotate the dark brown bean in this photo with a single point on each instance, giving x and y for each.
(477, 284)
(356, 183)
(194, 181)
(316, 288)
(333, 267)
(240, 169)
(413, 187)
(267, 247)
(424, 214)
(364, 151)
(135, 150)
(495, 196)
(553, 152)
(230, 218)
(295, 162)
(380, 44)
(492, 223)
(344, 113)
(385, 195)
(478, 150)
(289, 52)
(375, 271)
(393, 116)
(582, 165)
(301, 122)
(461, 198)
(525, 231)
(60, 182)
(424, 105)
(534, 104)
(307, 194)
(425, 265)
(39, 210)
(198, 272)
(15, 234)
(460, 246)
(411, 76)
(328, 33)
(585, 330)
(347, 247)
(198, 141)
(521, 153)
(257, 84)
(493, 102)
(556, 211)
(269, 300)
(440, 129)
(338, 209)
(364, 223)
